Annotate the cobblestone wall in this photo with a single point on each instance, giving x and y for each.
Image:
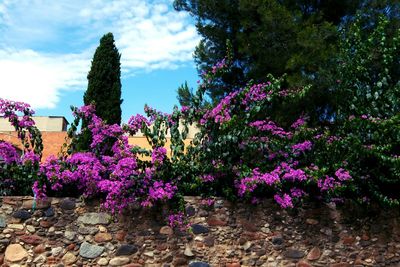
(68, 232)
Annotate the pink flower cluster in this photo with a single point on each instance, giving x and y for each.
(256, 93)
(30, 158)
(285, 201)
(119, 177)
(207, 202)
(221, 112)
(8, 153)
(158, 155)
(299, 148)
(270, 126)
(136, 123)
(24, 124)
(178, 221)
(159, 191)
(207, 178)
(298, 123)
(329, 183)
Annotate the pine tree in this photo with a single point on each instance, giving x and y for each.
(295, 37)
(104, 81)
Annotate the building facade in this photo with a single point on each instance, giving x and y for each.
(54, 134)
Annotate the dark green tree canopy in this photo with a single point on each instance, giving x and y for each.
(296, 37)
(299, 38)
(104, 81)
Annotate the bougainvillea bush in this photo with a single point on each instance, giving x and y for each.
(369, 148)
(242, 153)
(239, 152)
(19, 167)
(367, 112)
(113, 169)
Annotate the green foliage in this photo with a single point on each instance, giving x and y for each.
(18, 178)
(368, 147)
(184, 94)
(267, 36)
(366, 108)
(104, 81)
(369, 71)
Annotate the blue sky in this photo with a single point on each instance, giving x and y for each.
(47, 47)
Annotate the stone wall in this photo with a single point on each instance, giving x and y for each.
(68, 232)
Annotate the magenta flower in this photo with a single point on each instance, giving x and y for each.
(158, 155)
(284, 201)
(342, 175)
(207, 178)
(299, 148)
(8, 153)
(30, 157)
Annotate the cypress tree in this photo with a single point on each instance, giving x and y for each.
(104, 81)
(104, 89)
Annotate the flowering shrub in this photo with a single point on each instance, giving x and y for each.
(365, 128)
(368, 148)
(19, 169)
(9, 153)
(178, 221)
(114, 168)
(240, 152)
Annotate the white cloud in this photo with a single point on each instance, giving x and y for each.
(48, 45)
(38, 79)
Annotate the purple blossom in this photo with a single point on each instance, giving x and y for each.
(8, 153)
(295, 175)
(342, 175)
(221, 112)
(177, 220)
(296, 192)
(327, 184)
(284, 201)
(318, 136)
(125, 168)
(255, 93)
(298, 123)
(185, 109)
(30, 157)
(136, 123)
(159, 191)
(158, 155)
(270, 126)
(24, 124)
(39, 191)
(249, 184)
(299, 148)
(208, 202)
(207, 178)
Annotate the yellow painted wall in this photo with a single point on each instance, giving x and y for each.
(142, 142)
